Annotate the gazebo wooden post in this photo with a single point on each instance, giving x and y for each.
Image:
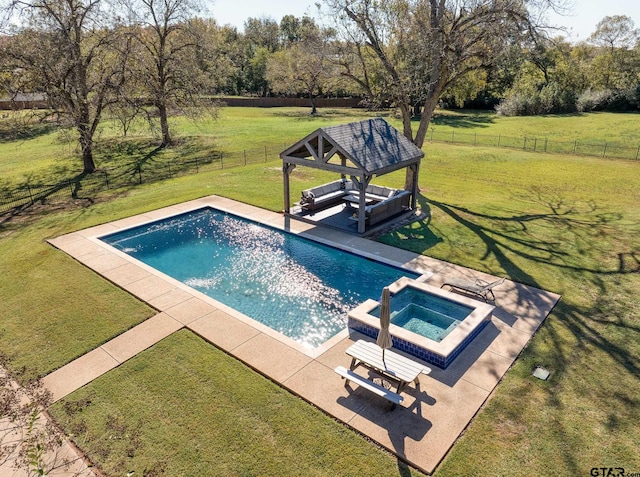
(287, 167)
(362, 204)
(415, 188)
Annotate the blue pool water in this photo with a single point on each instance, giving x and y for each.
(409, 295)
(424, 322)
(425, 314)
(296, 286)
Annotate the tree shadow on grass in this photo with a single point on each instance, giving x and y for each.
(137, 151)
(325, 113)
(419, 235)
(122, 164)
(595, 276)
(126, 161)
(468, 120)
(575, 224)
(593, 331)
(31, 206)
(563, 236)
(12, 131)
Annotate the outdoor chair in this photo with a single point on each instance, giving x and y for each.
(478, 287)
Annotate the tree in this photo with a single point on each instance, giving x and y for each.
(262, 32)
(165, 62)
(231, 49)
(502, 75)
(615, 32)
(262, 38)
(70, 50)
(359, 64)
(425, 46)
(214, 55)
(615, 66)
(306, 67)
(290, 29)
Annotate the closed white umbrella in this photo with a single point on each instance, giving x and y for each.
(384, 338)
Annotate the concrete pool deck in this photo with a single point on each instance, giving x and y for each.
(420, 431)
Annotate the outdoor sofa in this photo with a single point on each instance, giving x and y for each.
(325, 195)
(384, 202)
(398, 202)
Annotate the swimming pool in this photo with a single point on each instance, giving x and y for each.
(298, 287)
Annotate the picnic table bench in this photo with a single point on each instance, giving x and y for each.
(375, 388)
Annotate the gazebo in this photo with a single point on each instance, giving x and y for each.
(360, 150)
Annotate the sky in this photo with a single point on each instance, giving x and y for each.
(581, 23)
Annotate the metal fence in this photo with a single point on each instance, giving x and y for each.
(135, 173)
(128, 175)
(605, 149)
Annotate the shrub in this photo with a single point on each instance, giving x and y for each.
(554, 99)
(591, 100)
(625, 100)
(550, 99)
(610, 100)
(517, 104)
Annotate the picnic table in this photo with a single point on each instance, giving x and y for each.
(394, 367)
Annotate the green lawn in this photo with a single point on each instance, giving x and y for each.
(595, 128)
(51, 155)
(562, 223)
(187, 409)
(54, 310)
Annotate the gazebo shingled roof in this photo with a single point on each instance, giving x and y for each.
(360, 149)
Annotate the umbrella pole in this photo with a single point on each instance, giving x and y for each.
(385, 383)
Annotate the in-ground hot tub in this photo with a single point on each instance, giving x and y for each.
(426, 322)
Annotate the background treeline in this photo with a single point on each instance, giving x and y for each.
(151, 59)
(602, 74)
(552, 76)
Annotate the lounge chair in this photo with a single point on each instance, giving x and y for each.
(481, 288)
